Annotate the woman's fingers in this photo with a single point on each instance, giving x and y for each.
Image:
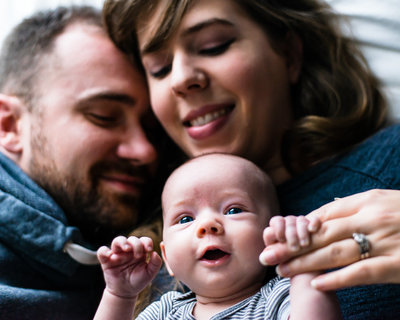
(329, 232)
(350, 205)
(337, 254)
(364, 272)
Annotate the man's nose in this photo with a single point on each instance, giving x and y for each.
(136, 147)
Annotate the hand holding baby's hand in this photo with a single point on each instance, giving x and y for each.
(129, 265)
(293, 230)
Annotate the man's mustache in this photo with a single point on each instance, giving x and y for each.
(142, 173)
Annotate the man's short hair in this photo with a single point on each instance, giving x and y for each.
(26, 47)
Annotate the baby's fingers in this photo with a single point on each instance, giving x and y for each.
(104, 254)
(138, 248)
(291, 233)
(147, 243)
(302, 231)
(120, 244)
(277, 225)
(269, 236)
(154, 264)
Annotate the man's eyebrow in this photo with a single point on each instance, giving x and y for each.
(110, 96)
(154, 44)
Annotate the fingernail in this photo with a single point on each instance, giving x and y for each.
(304, 242)
(267, 257)
(316, 283)
(294, 247)
(282, 270)
(312, 227)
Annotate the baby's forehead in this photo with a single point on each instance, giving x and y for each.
(215, 165)
(217, 169)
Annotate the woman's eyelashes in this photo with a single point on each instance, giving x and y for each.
(162, 72)
(210, 51)
(217, 49)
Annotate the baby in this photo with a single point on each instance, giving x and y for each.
(215, 210)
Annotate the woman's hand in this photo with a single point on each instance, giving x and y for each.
(376, 214)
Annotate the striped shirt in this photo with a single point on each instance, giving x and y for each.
(271, 302)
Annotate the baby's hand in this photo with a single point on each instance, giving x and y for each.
(294, 230)
(129, 265)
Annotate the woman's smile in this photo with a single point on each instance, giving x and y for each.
(207, 121)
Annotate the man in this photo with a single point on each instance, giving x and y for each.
(73, 164)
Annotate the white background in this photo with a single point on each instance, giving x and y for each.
(13, 11)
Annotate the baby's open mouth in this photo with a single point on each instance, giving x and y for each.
(214, 254)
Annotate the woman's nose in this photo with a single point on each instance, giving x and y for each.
(186, 77)
(209, 226)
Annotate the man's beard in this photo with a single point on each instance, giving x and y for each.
(100, 215)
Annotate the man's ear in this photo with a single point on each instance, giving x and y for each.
(11, 109)
(162, 247)
(294, 56)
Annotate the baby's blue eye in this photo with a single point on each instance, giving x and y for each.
(234, 211)
(185, 219)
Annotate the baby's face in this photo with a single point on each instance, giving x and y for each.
(214, 216)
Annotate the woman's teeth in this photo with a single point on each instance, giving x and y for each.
(202, 120)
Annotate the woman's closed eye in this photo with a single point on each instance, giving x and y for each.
(216, 49)
(161, 72)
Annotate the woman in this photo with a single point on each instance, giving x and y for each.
(275, 82)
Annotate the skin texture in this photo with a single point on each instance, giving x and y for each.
(84, 142)
(218, 85)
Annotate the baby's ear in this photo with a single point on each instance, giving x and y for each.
(162, 247)
(11, 110)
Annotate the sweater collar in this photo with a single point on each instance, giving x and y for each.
(31, 223)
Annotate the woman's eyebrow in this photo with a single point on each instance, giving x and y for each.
(153, 45)
(205, 24)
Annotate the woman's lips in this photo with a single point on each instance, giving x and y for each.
(206, 121)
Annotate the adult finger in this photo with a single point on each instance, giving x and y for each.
(329, 232)
(335, 255)
(347, 206)
(364, 272)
